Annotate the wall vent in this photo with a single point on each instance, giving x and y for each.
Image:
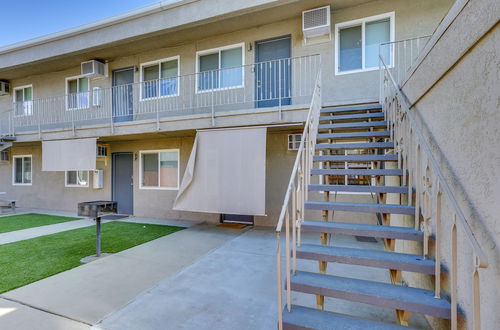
(316, 22)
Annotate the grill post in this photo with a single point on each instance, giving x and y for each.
(98, 236)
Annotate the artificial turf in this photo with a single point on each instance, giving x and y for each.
(31, 260)
(23, 221)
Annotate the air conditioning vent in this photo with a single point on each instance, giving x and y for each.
(4, 88)
(94, 69)
(316, 22)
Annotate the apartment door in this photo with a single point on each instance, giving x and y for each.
(123, 94)
(123, 181)
(273, 72)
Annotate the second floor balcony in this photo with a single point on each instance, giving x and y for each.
(281, 84)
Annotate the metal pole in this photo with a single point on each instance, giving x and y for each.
(98, 237)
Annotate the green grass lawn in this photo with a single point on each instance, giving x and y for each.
(31, 260)
(23, 221)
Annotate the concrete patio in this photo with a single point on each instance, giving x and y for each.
(202, 277)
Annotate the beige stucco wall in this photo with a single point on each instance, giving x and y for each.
(49, 192)
(413, 19)
(456, 98)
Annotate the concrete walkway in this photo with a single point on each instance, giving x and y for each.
(90, 292)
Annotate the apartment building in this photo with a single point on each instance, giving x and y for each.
(374, 118)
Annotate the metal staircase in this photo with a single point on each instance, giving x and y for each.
(354, 149)
(6, 142)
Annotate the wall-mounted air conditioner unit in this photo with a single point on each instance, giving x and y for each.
(94, 69)
(98, 179)
(4, 88)
(316, 22)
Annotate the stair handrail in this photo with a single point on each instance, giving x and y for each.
(429, 190)
(295, 195)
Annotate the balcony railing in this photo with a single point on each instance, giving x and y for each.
(272, 84)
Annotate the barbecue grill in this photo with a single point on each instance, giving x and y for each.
(96, 210)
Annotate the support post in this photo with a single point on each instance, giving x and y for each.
(98, 237)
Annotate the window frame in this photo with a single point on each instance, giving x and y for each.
(14, 183)
(294, 147)
(218, 51)
(67, 92)
(67, 185)
(158, 62)
(142, 152)
(14, 99)
(362, 22)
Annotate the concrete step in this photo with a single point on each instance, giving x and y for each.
(359, 188)
(354, 116)
(357, 229)
(351, 108)
(374, 293)
(367, 257)
(392, 172)
(339, 146)
(367, 124)
(361, 207)
(356, 158)
(309, 318)
(353, 135)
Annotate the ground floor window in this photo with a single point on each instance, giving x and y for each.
(294, 141)
(160, 169)
(77, 179)
(22, 170)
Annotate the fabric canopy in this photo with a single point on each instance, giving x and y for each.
(69, 155)
(226, 173)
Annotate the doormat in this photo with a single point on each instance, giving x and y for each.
(232, 225)
(366, 239)
(114, 217)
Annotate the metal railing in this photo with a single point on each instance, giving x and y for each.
(271, 84)
(292, 212)
(432, 192)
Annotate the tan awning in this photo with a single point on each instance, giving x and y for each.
(69, 155)
(226, 173)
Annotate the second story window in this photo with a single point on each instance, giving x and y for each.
(160, 78)
(220, 68)
(78, 95)
(358, 41)
(23, 100)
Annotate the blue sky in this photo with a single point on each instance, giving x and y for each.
(27, 19)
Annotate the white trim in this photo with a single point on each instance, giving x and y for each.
(14, 99)
(362, 22)
(158, 62)
(142, 152)
(67, 94)
(76, 185)
(294, 148)
(218, 51)
(22, 170)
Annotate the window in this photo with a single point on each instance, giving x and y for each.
(4, 156)
(358, 41)
(294, 141)
(22, 170)
(77, 178)
(159, 169)
(220, 68)
(77, 90)
(160, 78)
(23, 100)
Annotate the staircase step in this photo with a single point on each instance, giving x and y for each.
(354, 116)
(366, 124)
(351, 108)
(357, 229)
(361, 207)
(353, 135)
(373, 145)
(309, 318)
(356, 158)
(359, 188)
(374, 293)
(367, 257)
(318, 171)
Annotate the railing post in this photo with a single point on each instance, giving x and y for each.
(279, 285)
(279, 90)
